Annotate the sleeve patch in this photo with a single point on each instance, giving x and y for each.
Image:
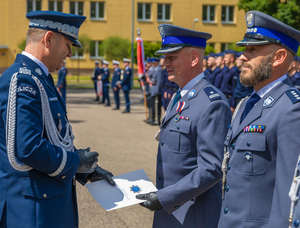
(294, 95)
(26, 89)
(212, 94)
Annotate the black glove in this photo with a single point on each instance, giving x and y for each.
(88, 160)
(100, 174)
(152, 202)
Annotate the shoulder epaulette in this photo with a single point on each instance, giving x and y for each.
(294, 95)
(212, 93)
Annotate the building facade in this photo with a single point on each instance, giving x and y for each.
(107, 18)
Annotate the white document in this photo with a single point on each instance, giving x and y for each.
(123, 194)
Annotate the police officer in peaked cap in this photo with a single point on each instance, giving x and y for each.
(190, 141)
(262, 144)
(38, 158)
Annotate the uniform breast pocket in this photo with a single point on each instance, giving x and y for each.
(251, 155)
(179, 138)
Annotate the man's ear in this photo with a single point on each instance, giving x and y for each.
(48, 38)
(195, 58)
(279, 57)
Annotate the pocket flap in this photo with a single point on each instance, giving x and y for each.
(252, 142)
(57, 110)
(41, 188)
(182, 126)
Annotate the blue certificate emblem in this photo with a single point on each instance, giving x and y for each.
(135, 188)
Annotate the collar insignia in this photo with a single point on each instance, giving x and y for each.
(268, 101)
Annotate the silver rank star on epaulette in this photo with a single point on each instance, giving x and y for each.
(24, 70)
(212, 94)
(38, 70)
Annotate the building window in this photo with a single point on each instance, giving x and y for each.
(163, 12)
(34, 5)
(227, 14)
(211, 45)
(96, 50)
(144, 11)
(77, 53)
(97, 10)
(208, 13)
(224, 46)
(76, 8)
(56, 6)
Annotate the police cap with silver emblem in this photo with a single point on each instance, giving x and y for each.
(126, 60)
(105, 62)
(175, 38)
(115, 62)
(263, 29)
(66, 24)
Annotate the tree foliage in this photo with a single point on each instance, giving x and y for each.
(287, 11)
(22, 44)
(149, 49)
(116, 47)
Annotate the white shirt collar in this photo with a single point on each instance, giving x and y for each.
(190, 84)
(38, 62)
(263, 91)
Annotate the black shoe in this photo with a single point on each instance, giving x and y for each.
(154, 123)
(149, 121)
(115, 109)
(96, 99)
(126, 111)
(107, 105)
(101, 103)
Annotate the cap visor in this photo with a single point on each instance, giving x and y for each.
(168, 50)
(249, 41)
(76, 43)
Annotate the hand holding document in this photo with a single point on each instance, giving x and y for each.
(123, 194)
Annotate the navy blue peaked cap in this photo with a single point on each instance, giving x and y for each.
(221, 54)
(229, 51)
(263, 29)
(212, 55)
(175, 38)
(66, 24)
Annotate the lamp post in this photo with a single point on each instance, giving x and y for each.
(195, 21)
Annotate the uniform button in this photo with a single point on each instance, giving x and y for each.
(162, 143)
(159, 161)
(58, 114)
(178, 127)
(248, 144)
(63, 177)
(233, 146)
(225, 210)
(227, 188)
(176, 207)
(229, 167)
(296, 223)
(159, 178)
(45, 196)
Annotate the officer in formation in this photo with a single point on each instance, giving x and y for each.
(105, 83)
(155, 76)
(293, 72)
(240, 90)
(125, 83)
(96, 76)
(61, 83)
(213, 69)
(114, 83)
(38, 159)
(205, 69)
(191, 138)
(262, 144)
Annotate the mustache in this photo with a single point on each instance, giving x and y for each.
(247, 65)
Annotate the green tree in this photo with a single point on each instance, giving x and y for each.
(287, 11)
(236, 48)
(209, 49)
(149, 49)
(22, 45)
(116, 47)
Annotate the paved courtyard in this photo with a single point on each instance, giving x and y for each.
(124, 142)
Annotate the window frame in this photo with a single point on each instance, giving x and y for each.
(76, 7)
(208, 14)
(75, 54)
(227, 15)
(144, 12)
(33, 5)
(97, 56)
(55, 5)
(97, 18)
(164, 12)
(225, 45)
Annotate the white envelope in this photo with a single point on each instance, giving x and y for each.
(123, 194)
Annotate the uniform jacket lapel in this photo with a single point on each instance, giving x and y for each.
(172, 112)
(256, 111)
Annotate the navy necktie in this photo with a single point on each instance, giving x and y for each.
(176, 98)
(250, 104)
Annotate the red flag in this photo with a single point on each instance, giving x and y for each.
(140, 56)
